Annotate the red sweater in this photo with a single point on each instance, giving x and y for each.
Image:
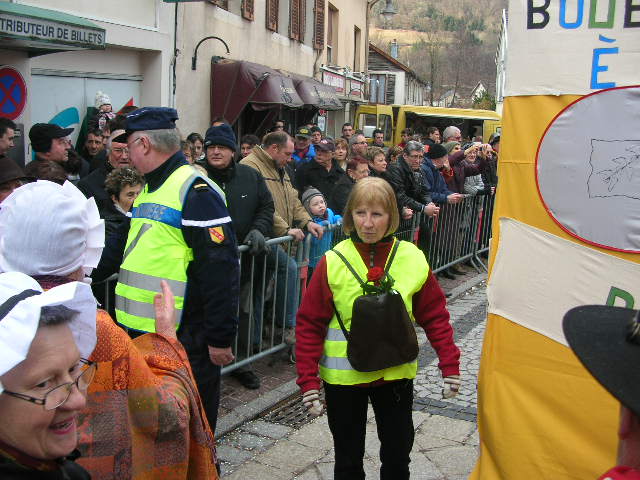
(316, 311)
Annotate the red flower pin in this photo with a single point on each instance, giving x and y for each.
(375, 274)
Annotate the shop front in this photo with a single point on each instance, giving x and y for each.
(251, 97)
(27, 34)
(349, 88)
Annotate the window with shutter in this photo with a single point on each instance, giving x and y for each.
(221, 3)
(318, 25)
(294, 19)
(247, 9)
(272, 15)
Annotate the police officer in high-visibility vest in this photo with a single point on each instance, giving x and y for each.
(181, 232)
(326, 329)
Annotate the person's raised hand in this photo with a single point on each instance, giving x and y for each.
(165, 310)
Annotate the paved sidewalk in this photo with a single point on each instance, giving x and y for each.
(446, 435)
(444, 448)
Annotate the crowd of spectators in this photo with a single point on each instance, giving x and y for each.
(278, 186)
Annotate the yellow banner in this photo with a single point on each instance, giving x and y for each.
(540, 414)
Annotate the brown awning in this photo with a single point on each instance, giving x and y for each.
(234, 84)
(316, 94)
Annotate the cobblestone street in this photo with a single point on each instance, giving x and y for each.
(446, 439)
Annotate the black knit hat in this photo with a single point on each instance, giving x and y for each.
(607, 341)
(437, 151)
(220, 135)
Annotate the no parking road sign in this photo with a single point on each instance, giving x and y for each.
(13, 93)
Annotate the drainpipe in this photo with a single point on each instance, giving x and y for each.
(370, 4)
(175, 56)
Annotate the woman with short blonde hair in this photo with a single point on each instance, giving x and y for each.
(392, 280)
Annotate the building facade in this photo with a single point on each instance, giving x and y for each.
(68, 50)
(392, 82)
(297, 60)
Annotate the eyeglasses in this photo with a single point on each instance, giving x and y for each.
(59, 395)
(130, 145)
(120, 150)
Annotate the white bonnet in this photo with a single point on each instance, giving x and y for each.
(21, 300)
(50, 229)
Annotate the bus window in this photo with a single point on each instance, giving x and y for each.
(384, 124)
(367, 123)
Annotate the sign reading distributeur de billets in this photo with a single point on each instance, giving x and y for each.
(30, 29)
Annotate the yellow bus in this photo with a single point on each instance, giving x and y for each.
(392, 119)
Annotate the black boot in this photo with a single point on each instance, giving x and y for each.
(247, 378)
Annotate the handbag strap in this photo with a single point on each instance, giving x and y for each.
(342, 327)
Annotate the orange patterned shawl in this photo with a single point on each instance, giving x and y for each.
(144, 418)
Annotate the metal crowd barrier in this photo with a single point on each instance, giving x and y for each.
(268, 293)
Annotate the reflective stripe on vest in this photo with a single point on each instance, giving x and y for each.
(156, 251)
(409, 271)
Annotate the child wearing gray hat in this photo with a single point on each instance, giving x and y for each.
(316, 205)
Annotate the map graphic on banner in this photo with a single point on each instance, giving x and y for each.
(597, 139)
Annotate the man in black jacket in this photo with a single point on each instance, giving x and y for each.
(251, 209)
(407, 181)
(325, 174)
(93, 184)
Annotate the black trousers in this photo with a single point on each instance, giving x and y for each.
(347, 414)
(207, 374)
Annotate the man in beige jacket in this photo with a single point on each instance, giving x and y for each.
(290, 218)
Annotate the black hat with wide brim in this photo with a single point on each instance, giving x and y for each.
(607, 341)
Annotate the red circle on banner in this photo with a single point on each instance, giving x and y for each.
(13, 93)
(566, 218)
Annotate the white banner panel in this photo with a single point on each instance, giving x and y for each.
(537, 277)
(572, 47)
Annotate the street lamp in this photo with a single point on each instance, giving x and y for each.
(389, 11)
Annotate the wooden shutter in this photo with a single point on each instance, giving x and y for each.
(318, 24)
(221, 3)
(302, 19)
(294, 19)
(247, 9)
(272, 15)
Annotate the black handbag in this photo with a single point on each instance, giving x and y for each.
(381, 333)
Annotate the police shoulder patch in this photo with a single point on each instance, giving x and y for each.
(216, 234)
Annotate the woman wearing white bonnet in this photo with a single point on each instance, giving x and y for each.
(143, 402)
(50, 230)
(45, 339)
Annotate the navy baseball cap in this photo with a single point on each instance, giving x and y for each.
(151, 118)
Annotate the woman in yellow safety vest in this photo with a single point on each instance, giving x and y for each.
(382, 264)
